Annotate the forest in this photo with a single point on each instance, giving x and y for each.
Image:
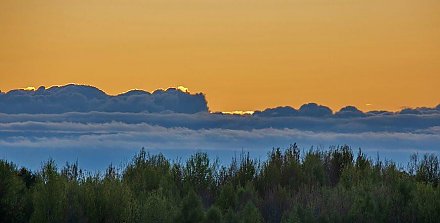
(289, 185)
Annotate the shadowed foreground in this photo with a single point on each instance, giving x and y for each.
(329, 186)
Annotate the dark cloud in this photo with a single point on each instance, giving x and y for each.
(310, 110)
(277, 112)
(421, 110)
(349, 112)
(315, 110)
(410, 111)
(80, 98)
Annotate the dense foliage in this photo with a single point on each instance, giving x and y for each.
(317, 186)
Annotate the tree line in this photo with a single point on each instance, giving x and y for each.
(335, 185)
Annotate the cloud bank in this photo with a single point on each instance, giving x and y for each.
(81, 98)
(81, 122)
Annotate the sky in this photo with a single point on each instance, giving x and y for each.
(243, 54)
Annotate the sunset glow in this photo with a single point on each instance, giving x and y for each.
(183, 89)
(29, 89)
(243, 55)
(239, 112)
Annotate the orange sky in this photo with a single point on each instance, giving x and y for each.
(243, 54)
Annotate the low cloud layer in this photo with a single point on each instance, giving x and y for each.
(80, 122)
(204, 120)
(98, 138)
(69, 141)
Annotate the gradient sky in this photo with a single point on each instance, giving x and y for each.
(243, 54)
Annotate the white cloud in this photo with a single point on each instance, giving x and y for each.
(124, 135)
(97, 144)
